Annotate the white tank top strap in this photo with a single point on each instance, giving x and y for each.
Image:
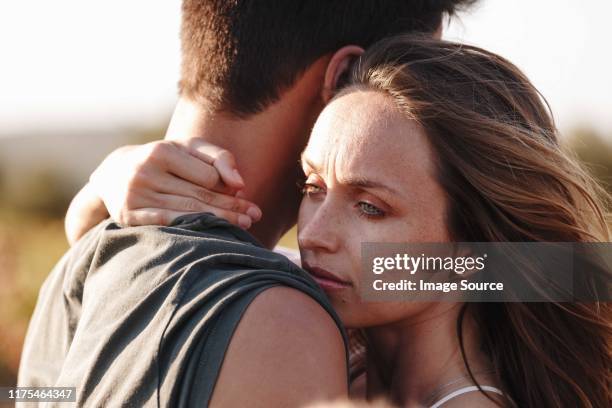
(465, 390)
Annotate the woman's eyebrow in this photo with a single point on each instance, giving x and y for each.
(305, 161)
(355, 182)
(360, 182)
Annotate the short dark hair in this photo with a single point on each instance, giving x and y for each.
(239, 55)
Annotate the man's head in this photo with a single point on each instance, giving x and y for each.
(240, 55)
(256, 74)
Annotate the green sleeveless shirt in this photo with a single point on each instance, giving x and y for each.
(142, 316)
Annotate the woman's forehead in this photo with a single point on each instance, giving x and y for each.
(362, 134)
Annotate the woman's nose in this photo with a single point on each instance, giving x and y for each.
(320, 230)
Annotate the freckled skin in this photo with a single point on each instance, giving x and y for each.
(362, 136)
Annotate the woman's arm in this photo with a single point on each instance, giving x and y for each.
(85, 211)
(152, 184)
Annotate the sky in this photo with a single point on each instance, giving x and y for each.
(85, 63)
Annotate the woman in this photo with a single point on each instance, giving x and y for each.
(436, 142)
(439, 142)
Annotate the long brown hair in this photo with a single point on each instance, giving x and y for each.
(509, 180)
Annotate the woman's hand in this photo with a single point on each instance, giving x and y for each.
(159, 181)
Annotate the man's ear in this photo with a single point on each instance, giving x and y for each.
(337, 68)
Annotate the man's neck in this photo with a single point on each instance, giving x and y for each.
(266, 147)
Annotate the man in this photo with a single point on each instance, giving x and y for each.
(200, 312)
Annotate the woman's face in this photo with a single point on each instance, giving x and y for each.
(370, 178)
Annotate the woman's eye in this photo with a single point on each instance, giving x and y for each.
(369, 210)
(310, 189)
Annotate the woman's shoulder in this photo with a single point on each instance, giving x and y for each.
(472, 397)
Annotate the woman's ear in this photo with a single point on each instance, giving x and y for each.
(337, 68)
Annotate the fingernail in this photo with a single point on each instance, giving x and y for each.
(254, 213)
(238, 177)
(244, 221)
(240, 194)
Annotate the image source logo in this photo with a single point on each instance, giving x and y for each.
(486, 272)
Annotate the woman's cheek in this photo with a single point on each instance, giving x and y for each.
(305, 212)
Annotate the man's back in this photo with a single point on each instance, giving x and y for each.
(144, 315)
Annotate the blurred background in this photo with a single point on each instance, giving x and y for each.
(79, 78)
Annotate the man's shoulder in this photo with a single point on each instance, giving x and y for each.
(192, 255)
(190, 239)
(199, 235)
(285, 341)
(286, 309)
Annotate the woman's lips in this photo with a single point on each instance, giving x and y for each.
(325, 279)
